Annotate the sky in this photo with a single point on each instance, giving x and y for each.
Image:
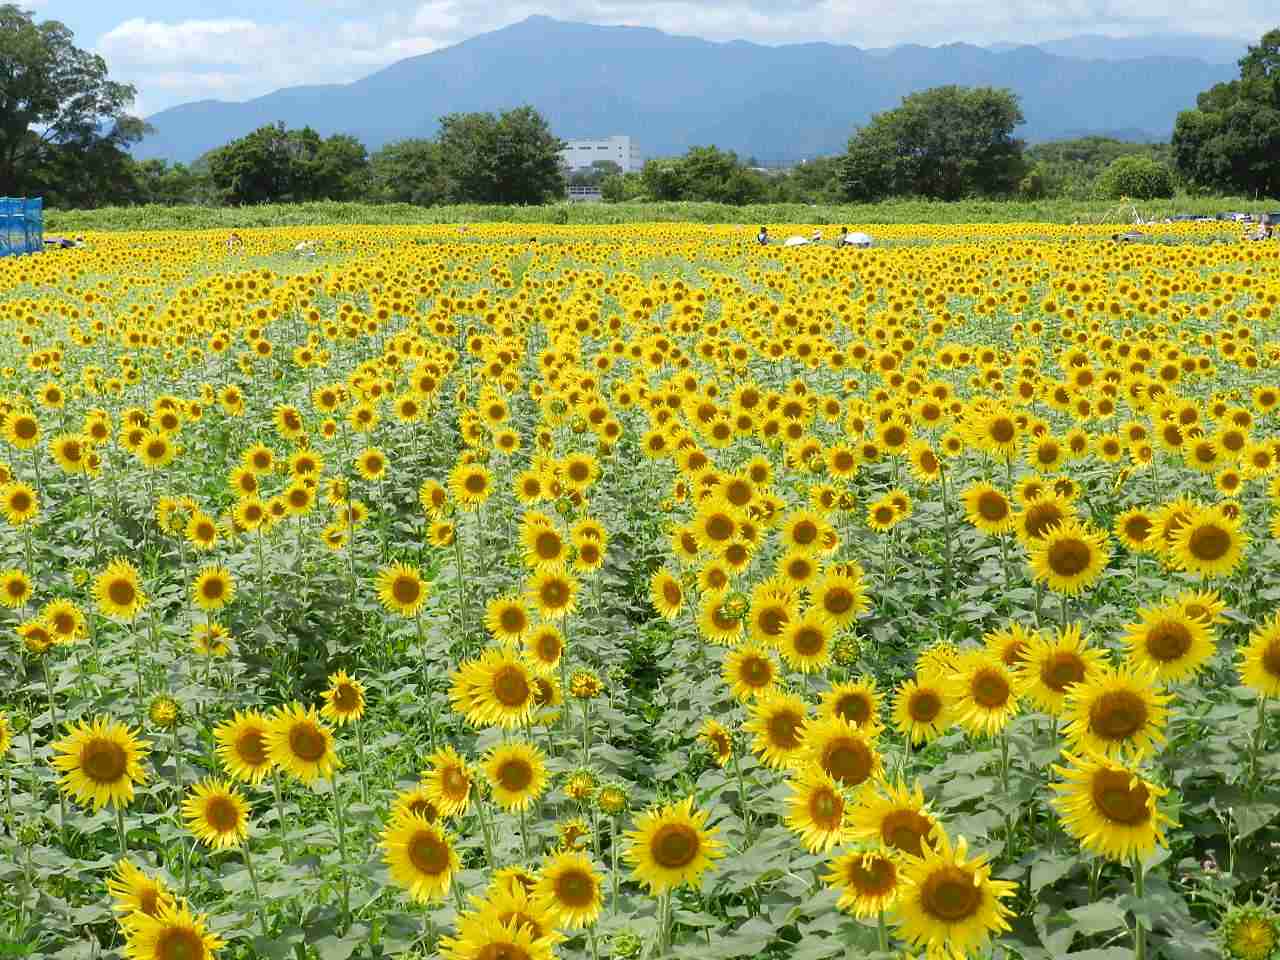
(175, 51)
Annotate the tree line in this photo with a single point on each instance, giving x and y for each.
(65, 133)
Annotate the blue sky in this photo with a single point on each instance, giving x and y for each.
(180, 50)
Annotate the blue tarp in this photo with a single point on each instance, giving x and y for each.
(21, 226)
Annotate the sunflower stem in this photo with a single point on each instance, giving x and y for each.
(524, 834)
(124, 843)
(946, 535)
(364, 782)
(1259, 736)
(615, 841)
(882, 934)
(1139, 931)
(53, 721)
(595, 945)
(257, 894)
(742, 800)
(484, 832)
(284, 830)
(342, 842)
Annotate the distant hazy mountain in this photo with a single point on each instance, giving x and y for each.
(1222, 50)
(778, 104)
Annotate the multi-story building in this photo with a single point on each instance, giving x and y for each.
(581, 154)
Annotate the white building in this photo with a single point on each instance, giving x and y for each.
(581, 154)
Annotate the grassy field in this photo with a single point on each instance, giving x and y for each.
(890, 212)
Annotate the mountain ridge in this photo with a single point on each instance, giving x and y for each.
(777, 103)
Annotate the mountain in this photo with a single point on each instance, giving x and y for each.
(1221, 50)
(777, 103)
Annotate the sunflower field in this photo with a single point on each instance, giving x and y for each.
(520, 592)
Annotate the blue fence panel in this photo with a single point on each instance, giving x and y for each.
(21, 225)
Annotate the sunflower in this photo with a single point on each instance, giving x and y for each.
(1209, 544)
(517, 774)
(216, 814)
(1068, 557)
(1175, 645)
(1117, 711)
(119, 590)
(300, 744)
(213, 588)
(869, 882)
(544, 647)
(22, 430)
(772, 608)
(671, 846)
(6, 734)
(857, 702)
(988, 509)
(1052, 665)
(19, 502)
(343, 700)
(497, 689)
(448, 780)
(201, 531)
(401, 589)
(718, 741)
(553, 593)
(471, 485)
(1249, 932)
(416, 801)
(483, 936)
(1136, 529)
(921, 709)
(895, 816)
(1259, 665)
(882, 516)
(171, 933)
(840, 595)
(666, 594)
(982, 693)
(544, 547)
(420, 857)
(100, 762)
(1109, 807)
(570, 889)
(242, 746)
(778, 723)
(441, 533)
(816, 809)
(841, 750)
(1040, 514)
(806, 643)
(70, 450)
(1010, 644)
(15, 588)
(134, 892)
(371, 463)
(507, 619)
(1203, 605)
(949, 904)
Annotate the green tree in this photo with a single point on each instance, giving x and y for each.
(621, 187)
(273, 165)
(664, 179)
(1231, 141)
(946, 142)
(512, 158)
(58, 109)
(158, 182)
(814, 181)
(409, 171)
(1136, 177)
(594, 175)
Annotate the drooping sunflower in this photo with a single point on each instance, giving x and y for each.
(171, 933)
(921, 709)
(402, 589)
(343, 699)
(777, 724)
(1259, 665)
(119, 590)
(135, 891)
(497, 689)
(1209, 544)
(1109, 807)
(950, 905)
(868, 881)
(718, 740)
(101, 762)
(298, 742)
(448, 780)
(570, 889)
(1116, 712)
(517, 774)
(213, 588)
(216, 814)
(816, 809)
(1054, 664)
(1068, 557)
(671, 846)
(242, 746)
(982, 693)
(895, 816)
(420, 857)
(1175, 645)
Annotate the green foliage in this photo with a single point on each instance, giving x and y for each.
(409, 171)
(1232, 139)
(56, 101)
(595, 175)
(1136, 178)
(703, 174)
(1070, 168)
(946, 143)
(274, 164)
(512, 158)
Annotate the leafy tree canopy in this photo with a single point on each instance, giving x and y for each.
(510, 158)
